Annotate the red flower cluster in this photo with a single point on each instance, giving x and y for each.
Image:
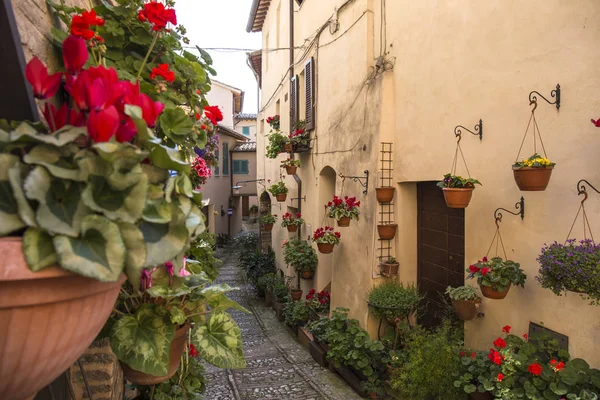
(289, 217)
(328, 230)
(81, 24)
(557, 365)
(506, 329)
(500, 343)
(500, 377)
(297, 132)
(158, 15)
(163, 70)
(495, 357)
(323, 296)
(348, 203)
(535, 369)
(193, 351)
(475, 269)
(214, 114)
(273, 119)
(596, 123)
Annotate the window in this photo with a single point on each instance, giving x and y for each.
(246, 130)
(240, 167)
(309, 85)
(294, 99)
(225, 158)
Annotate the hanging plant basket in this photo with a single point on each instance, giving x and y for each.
(387, 232)
(388, 269)
(344, 222)
(291, 170)
(490, 293)
(530, 179)
(325, 248)
(46, 320)
(457, 198)
(281, 197)
(385, 194)
(177, 348)
(292, 228)
(288, 147)
(296, 294)
(268, 227)
(308, 274)
(466, 310)
(210, 162)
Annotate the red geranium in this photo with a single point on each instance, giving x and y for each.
(495, 357)
(163, 70)
(535, 369)
(214, 114)
(500, 377)
(500, 343)
(81, 24)
(44, 85)
(506, 329)
(158, 15)
(193, 351)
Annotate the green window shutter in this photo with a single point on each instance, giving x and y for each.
(216, 162)
(240, 167)
(246, 130)
(309, 86)
(225, 158)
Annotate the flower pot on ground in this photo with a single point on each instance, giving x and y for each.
(385, 194)
(465, 301)
(326, 239)
(495, 276)
(457, 190)
(175, 352)
(387, 232)
(291, 166)
(533, 174)
(343, 210)
(318, 303)
(296, 313)
(292, 222)
(389, 267)
(268, 221)
(393, 300)
(296, 294)
(36, 309)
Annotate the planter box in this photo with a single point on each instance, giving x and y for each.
(352, 379)
(319, 355)
(304, 336)
(279, 311)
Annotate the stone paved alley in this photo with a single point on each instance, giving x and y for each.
(278, 366)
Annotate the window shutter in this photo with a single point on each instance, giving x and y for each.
(309, 80)
(217, 161)
(225, 158)
(294, 92)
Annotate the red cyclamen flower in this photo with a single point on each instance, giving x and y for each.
(81, 24)
(163, 70)
(535, 369)
(158, 15)
(75, 54)
(596, 123)
(64, 116)
(484, 271)
(474, 269)
(44, 85)
(102, 125)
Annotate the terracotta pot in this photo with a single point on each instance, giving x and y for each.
(292, 228)
(387, 232)
(209, 163)
(325, 248)
(291, 170)
(457, 198)
(177, 348)
(288, 147)
(307, 274)
(47, 320)
(268, 298)
(373, 395)
(296, 294)
(385, 194)
(344, 222)
(268, 227)
(531, 179)
(480, 396)
(389, 269)
(490, 293)
(281, 197)
(466, 310)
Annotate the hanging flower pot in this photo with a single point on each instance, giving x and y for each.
(390, 267)
(210, 162)
(492, 273)
(177, 348)
(292, 228)
(291, 170)
(344, 222)
(385, 194)
(291, 222)
(281, 197)
(491, 293)
(296, 294)
(325, 248)
(343, 210)
(466, 310)
(308, 274)
(531, 179)
(279, 190)
(457, 198)
(326, 239)
(37, 309)
(387, 232)
(268, 227)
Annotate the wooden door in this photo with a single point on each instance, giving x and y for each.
(245, 206)
(441, 250)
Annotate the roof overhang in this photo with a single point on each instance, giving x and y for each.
(255, 64)
(258, 13)
(230, 132)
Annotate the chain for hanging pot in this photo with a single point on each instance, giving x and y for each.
(536, 134)
(455, 161)
(584, 218)
(498, 240)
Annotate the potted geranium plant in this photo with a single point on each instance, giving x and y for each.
(389, 267)
(291, 222)
(274, 121)
(268, 221)
(301, 256)
(457, 190)
(495, 276)
(279, 190)
(326, 238)
(465, 300)
(533, 173)
(300, 138)
(291, 166)
(318, 302)
(343, 210)
(571, 267)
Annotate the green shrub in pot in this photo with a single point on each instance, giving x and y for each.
(393, 299)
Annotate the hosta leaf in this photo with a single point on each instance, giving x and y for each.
(9, 209)
(175, 122)
(136, 252)
(164, 241)
(99, 253)
(143, 341)
(219, 342)
(60, 207)
(55, 162)
(38, 249)
(126, 205)
(17, 175)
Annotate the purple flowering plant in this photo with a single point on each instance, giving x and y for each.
(571, 267)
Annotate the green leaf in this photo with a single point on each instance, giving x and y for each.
(219, 342)
(55, 162)
(136, 252)
(143, 341)
(9, 209)
(99, 253)
(177, 316)
(144, 133)
(164, 241)
(167, 158)
(194, 222)
(158, 211)
(175, 122)
(17, 175)
(168, 287)
(27, 134)
(38, 249)
(60, 207)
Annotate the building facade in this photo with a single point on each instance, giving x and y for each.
(382, 86)
(246, 125)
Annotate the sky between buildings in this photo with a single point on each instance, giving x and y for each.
(222, 24)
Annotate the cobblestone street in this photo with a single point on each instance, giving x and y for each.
(278, 366)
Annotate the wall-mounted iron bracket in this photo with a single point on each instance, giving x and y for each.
(276, 204)
(520, 206)
(582, 189)
(298, 198)
(478, 130)
(554, 94)
(363, 180)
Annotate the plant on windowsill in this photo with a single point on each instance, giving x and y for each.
(326, 238)
(300, 138)
(392, 299)
(274, 121)
(343, 210)
(291, 166)
(279, 190)
(533, 174)
(268, 221)
(457, 190)
(292, 222)
(389, 267)
(301, 256)
(571, 267)
(465, 301)
(496, 276)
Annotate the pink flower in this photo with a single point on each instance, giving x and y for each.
(184, 272)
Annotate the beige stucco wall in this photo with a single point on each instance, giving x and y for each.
(220, 95)
(249, 123)
(453, 63)
(251, 187)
